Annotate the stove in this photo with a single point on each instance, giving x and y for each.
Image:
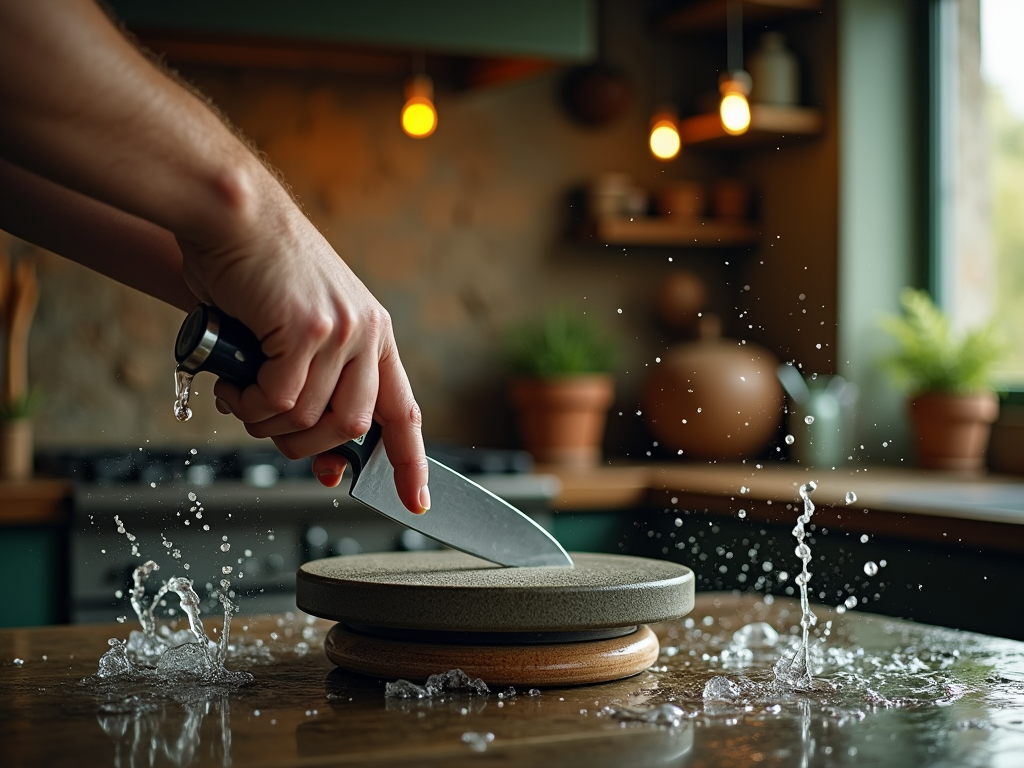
(183, 506)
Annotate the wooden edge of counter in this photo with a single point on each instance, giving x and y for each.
(34, 502)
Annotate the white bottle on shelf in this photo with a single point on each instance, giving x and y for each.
(775, 72)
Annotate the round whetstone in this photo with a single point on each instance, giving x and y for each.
(545, 665)
(453, 592)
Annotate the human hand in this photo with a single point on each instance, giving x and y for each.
(332, 362)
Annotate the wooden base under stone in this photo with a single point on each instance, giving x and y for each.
(414, 614)
(554, 664)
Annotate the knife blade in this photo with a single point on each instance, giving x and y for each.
(463, 515)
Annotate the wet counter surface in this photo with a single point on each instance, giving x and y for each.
(900, 694)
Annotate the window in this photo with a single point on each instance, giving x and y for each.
(978, 169)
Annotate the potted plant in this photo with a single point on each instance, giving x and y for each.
(19, 294)
(562, 387)
(952, 404)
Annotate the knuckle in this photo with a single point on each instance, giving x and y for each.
(347, 325)
(280, 402)
(318, 326)
(414, 414)
(287, 450)
(301, 419)
(354, 425)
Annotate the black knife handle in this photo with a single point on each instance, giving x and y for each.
(209, 340)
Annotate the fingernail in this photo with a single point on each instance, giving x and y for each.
(222, 406)
(424, 499)
(329, 478)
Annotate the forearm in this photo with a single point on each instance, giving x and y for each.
(82, 107)
(128, 249)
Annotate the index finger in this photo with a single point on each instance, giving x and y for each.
(401, 424)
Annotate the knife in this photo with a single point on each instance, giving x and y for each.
(463, 516)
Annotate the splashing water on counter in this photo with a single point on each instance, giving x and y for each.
(187, 654)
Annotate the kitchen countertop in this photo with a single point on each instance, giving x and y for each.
(976, 510)
(961, 702)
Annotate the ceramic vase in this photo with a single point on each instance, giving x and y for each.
(714, 399)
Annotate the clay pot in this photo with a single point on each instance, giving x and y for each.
(714, 398)
(16, 449)
(951, 430)
(680, 299)
(562, 420)
(683, 200)
(730, 199)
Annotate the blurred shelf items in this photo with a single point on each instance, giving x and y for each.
(682, 214)
(769, 125)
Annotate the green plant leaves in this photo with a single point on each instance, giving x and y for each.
(929, 358)
(559, 344)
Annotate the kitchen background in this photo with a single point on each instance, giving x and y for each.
(467, 232)
(474, 229)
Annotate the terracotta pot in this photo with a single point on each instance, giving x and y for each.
(562, 420)
(16, 449)
(952, 430)
(682, 200)
(714, 398)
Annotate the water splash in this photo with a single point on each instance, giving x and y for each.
(795, 672)
(452, 681)
(187, 653)
(478, 742)
(182, 384)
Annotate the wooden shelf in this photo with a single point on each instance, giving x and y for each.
(768, 125)
(710, 15)
(668, 231)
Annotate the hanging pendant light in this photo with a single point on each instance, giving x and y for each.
(664, 140)
(734, 85)
(734, 109)
(419, 115)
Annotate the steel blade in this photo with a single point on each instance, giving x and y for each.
(462, 515)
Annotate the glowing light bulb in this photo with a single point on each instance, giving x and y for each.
(664, 139)
(734, 109)
(419, 115)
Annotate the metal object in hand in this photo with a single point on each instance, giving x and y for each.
(463, 515)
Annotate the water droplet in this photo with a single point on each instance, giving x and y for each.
(335, 502)
(870, 568)
(191, 496)
(742, 513)
(864, 538)
(808, 419)
(478, 741)
(193, 451)
(182, 382)
(18, 662)
(226, 570)
(851, 602)
(850, 497)
(225, 547)
(121, 619)
(790, 439)
(881, 563)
